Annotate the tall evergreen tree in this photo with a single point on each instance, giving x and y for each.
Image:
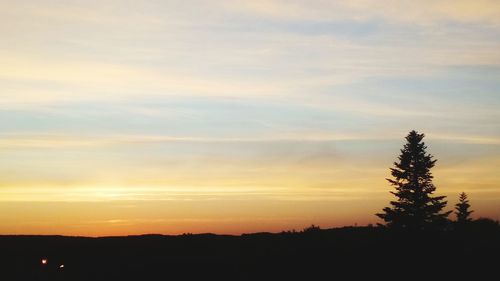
(415, 208)
(462, 209)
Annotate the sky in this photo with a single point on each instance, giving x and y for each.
(130, 117)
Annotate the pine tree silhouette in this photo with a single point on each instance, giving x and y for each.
(415, 207)
(462, 209)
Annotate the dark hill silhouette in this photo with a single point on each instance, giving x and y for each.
(309, 255)
(418, 241)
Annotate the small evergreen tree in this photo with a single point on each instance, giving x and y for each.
(462, 209)
(415, 208)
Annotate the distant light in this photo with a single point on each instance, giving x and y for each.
(61, 266)
(44, 261)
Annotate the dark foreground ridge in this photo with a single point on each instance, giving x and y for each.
(313, 254)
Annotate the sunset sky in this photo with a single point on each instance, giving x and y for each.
(130, 117)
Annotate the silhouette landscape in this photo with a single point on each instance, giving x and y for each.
(417, 237)
(249, 140)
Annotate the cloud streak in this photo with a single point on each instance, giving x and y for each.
(20, 141)
(420, 12)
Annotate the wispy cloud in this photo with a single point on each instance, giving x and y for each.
(182, 57)
(184, 193)
(421, 12)
(27, 140)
